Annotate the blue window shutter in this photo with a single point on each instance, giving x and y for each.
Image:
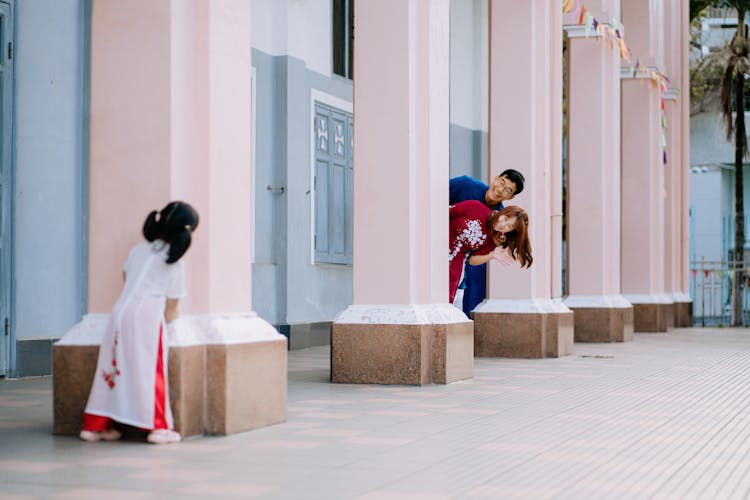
(321, 137)
(333, 195)
(349, 207)
(322, 239)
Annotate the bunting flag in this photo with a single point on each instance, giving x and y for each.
(612, 35)
(730, 273)
(663, 129)
(706, 273)
(719, 273)
(693, 272)
(661, 81)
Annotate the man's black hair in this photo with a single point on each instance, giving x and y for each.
(515, 177)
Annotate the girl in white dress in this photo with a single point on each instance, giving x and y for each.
(131, 381)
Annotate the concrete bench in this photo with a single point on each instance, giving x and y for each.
(227, 373)
(411, 344)
(535, 328)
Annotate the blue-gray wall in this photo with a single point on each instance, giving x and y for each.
(468, 152)
(269, 267)
(287, 288)
(50, 168)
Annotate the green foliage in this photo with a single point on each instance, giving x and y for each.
(733, 4)
(706, 72)
(705, 81)
(697, 6)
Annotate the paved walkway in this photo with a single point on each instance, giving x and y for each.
(664, 416)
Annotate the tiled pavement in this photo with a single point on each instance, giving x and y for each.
(664, 416)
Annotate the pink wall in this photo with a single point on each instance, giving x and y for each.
(188, 56)
(673, 173)
(525, 130)
(593, 169)
(684, 104)
(594, 159)
(643, 182)
(643, 20)
(179, 129)
(128, 152)
(230, 193)
(642, 190)
(555, 158)
(676, 167)
(401, 152)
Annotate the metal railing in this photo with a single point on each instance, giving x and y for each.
(711, 291)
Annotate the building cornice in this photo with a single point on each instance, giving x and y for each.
(579, 31)
(627, 72)
(672, 94)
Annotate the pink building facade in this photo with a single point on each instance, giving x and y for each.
(320, 167)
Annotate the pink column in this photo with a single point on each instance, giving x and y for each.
(676, 168)
(643, 182)
(520, 318)
(178, 129)
(684, 318)
(593, 187)
(128, 174)
(171, 119)
(401, 328)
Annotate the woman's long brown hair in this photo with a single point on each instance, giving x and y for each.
(517, 241)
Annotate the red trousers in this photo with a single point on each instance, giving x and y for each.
(97, 423)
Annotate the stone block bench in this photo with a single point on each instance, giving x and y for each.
(410, 344)
(227, 374)
(535, 328)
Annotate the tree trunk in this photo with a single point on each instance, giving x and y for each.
(739, 204)
(739, 213)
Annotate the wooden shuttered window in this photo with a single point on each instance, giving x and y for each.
(332, 133)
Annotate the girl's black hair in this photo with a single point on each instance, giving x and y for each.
(174, 225)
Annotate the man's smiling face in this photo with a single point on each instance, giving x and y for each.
(502, 189)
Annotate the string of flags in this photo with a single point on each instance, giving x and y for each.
(612, 35)
(719, 273)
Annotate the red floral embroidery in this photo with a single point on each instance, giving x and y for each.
(111, 375)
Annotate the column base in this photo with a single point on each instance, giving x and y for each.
(401, 344)
(227, 373)
(535, 328)
(186, 387)
(651, 313)
(683, 310)
(73, 368)
(603, 318)
(245, 374)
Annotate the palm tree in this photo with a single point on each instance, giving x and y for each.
(733, 92)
